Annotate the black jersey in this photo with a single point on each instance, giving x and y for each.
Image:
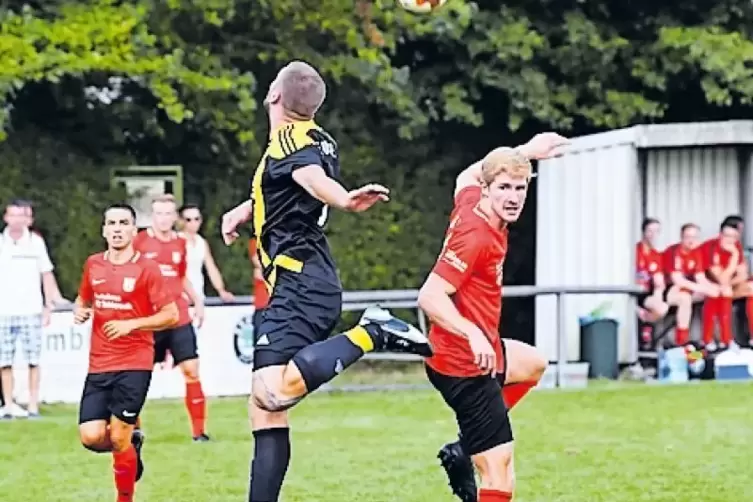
(288, 221)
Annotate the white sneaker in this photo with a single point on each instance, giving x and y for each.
(396, 334)
(18, 411)
(5, 413)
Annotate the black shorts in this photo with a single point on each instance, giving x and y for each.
(302, 310)
(479, 409)
(180, 341)
(117, 393)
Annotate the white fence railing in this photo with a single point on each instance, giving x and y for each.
(408, 299)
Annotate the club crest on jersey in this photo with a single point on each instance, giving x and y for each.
(176, 257)
(128, 284)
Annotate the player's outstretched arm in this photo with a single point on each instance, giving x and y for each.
(315, 181)
(541, 146)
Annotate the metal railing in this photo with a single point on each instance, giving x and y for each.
(408, 299)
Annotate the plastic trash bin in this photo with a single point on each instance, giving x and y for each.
(598, 347)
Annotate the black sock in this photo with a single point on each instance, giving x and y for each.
(321, 362)
(269, 465)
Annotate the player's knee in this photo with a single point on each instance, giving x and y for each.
(93, 438)
(190, 370)
(538, 365)
(496, 468)
(267, 393)
(684, 299)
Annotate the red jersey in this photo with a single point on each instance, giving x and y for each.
(648, 262)
(170, 255)
(688, 262)
(261, 293)
(472, 260)
(121, 292)
(716, 256)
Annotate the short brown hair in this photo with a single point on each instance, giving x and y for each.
(688, 226)
(505, 160)
(302, 89)
(165, 197)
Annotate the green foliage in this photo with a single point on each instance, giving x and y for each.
(412, 99)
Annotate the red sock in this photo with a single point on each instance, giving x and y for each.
(682, 335)
(749, 315)
(708, 316)
(124, 469)
(486, 495)
(725, 320)
(196, 406)
(514, 392)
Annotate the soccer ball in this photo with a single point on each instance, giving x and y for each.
(421, 6)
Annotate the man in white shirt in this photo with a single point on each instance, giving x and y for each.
(26, 270)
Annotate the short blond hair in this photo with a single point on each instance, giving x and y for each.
(165, 197)
(508, 161)
(302, 89)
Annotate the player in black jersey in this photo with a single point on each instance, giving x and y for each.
(293, 188)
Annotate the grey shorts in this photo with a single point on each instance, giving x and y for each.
(25, 330)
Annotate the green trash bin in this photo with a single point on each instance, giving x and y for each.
(598, 347)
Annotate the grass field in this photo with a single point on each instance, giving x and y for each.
(610, 443)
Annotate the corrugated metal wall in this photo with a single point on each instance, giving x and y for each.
(698, 185)
(587, 215)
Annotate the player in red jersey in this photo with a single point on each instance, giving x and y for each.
(683, 266)
(479, 375)
(723, 264)
(125, 296)
(650, 275)
(743, 281)
(163, 245)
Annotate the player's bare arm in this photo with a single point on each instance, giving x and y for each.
(315, 181)
(81, 311)
(165, 318)
(541, 146)
(704, 285)
(215, 276)
(235, 217)
(435, 299)
(198, 302)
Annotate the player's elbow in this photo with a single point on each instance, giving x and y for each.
(427, 300)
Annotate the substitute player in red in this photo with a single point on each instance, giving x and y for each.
(125, 296)
(723, 260)
(163, 245)
(649, 275)
(479, 375)
(683, 265)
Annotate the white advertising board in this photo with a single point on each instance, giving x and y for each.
(225, 343)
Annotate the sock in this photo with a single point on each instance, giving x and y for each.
(749, 315)
(486, 495)
(708, 316)
(124, 469)
(725, 320)
(269, 465)
(321, 362)
(514, 392)
(682, 335)
(196, 406)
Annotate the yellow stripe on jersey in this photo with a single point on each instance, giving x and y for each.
(290, 138)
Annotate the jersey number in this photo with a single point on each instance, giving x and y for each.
(324, 216)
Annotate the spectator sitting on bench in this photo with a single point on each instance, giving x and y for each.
(722, 260)
(683, 266)
(742, 288)
(649, 275)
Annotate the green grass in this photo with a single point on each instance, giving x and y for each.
(609, 443)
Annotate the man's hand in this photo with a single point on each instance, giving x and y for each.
(363, 198)
(81, 314)
(711, 290)
(226, 296)
(483, 352)
(725, 291)
(116, 329)
(198, 314)
(543, 146)
(232, 219)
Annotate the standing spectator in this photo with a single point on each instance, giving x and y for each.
(650, 275)
(683, 265)
(723, 260)
(26, 270)
(199, 254)
(261, 294)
